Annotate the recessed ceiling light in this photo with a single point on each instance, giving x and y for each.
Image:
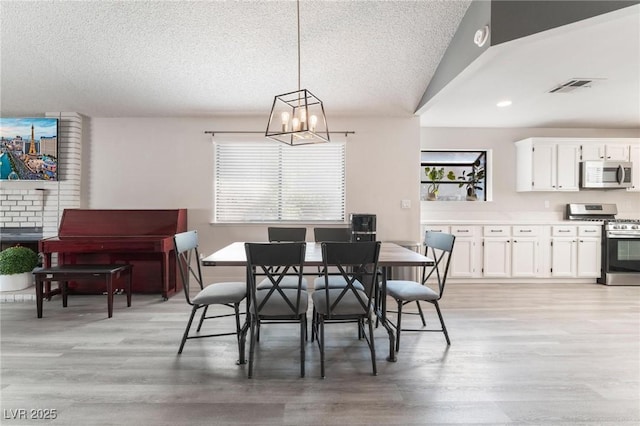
(504, 103)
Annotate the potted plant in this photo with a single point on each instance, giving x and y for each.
(472, 180)
(16, 264)
(435, 176)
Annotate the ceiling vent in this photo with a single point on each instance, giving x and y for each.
(572, 85)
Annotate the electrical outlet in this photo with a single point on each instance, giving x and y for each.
(546, 204)
(406, 204)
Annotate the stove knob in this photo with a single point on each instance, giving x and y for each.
(635, 227)
(616, 226)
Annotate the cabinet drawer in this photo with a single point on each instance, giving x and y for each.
(589, 231)
(525, 231)
(497, 231)
(463, 231)
(564, 231)
(436, 228)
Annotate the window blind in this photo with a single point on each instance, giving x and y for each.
(273, 182)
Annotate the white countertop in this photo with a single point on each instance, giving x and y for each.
(510, 222)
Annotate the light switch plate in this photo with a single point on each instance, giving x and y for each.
(406, 204)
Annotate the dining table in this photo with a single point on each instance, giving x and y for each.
(391, 256)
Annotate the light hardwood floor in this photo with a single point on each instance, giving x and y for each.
(543, 354)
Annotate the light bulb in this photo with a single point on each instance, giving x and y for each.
(303, 115)
(313, 121)
(285, 121)
(296, 124)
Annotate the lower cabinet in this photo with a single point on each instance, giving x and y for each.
(466, 261)
(524, 251)
(589, 251)
(576, 251)
(497, 251)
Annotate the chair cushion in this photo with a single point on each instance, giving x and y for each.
(230, 292)
(287, 282)
(335, 281)
(410, 291)
(276, 305)
(348, 305)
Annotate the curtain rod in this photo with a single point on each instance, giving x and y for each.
(213, 132)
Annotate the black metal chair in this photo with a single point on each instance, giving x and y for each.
(357, 265)
(280, 235)
(229, 294)
(283, 234)
(342, 234)
(276, 304)
(439, 246)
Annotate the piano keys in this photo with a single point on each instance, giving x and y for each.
(142, 238)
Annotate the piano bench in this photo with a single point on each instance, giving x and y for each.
(64, 273)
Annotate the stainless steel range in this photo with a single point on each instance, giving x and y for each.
(620, 242)
(621, 252)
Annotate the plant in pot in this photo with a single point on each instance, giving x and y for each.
(472, 180)
(16, 264)
(435, 176)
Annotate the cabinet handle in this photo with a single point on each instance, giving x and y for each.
(496, 230)
(525, 230)
(462, 230)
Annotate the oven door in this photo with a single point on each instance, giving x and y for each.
(622, 254)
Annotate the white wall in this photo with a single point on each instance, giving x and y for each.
(507, 203)
(168, 163)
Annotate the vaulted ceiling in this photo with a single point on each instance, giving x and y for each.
(362, 58)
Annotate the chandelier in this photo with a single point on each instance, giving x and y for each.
(297, 118)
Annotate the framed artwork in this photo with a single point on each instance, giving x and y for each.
(29, 148)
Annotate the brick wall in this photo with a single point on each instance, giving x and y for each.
(41, 203)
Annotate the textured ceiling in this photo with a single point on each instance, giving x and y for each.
(184, 58)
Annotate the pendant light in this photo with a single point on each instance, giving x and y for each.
(297, 118)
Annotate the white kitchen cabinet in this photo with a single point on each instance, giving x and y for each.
(524, 251)
(564, 251)
(605, 152)
(496, 251)
(634, 157)
(589, 251)
(467, 253)
(547, 164)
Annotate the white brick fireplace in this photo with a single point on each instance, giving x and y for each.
(31, 210)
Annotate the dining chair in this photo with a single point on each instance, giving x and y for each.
(439, 246)
(331, 234)
(276, 304)
(357, 265)
(283, 234)
(229, 294)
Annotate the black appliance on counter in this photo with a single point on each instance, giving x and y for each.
(363, 227)
(620, 242)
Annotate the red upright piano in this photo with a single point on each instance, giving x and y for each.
(142, 238)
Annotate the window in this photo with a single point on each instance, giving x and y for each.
(272, 182)
(455, 175)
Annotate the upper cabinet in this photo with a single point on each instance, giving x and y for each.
(605, 151)
(634, 157)
(547, 164)
(553, 164)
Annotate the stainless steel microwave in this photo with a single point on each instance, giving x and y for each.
(605, 174)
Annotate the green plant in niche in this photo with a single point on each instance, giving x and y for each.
(17, 260)
(435, 176)
(472, 180)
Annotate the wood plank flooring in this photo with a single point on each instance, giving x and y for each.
(539, 354)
